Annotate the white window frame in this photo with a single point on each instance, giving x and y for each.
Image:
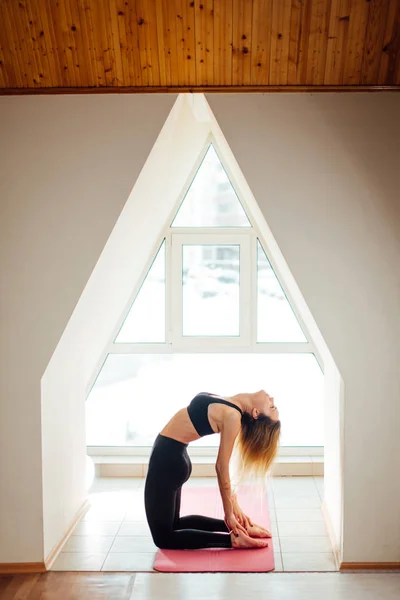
(175, 342)
(182, 343)
(195, 451)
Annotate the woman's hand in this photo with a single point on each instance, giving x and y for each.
(234, 525)
(240, 516)
(243, 519)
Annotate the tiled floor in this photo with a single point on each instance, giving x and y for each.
(114, 536)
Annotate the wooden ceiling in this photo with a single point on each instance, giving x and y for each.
(61, 46)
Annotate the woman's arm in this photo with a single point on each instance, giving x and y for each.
(229, 432)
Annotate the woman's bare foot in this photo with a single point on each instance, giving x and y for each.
(256, 531)
(245, 541)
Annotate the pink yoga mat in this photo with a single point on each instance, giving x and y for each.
(207, 501)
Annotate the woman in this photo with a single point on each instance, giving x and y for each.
(254, 420)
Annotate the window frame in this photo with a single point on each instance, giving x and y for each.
(178, 340)
(195, 451)
(173, 318)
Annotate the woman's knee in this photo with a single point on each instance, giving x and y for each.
(163, 538)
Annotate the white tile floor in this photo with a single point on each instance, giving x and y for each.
(114, 536)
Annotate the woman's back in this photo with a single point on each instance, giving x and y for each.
(203, 416)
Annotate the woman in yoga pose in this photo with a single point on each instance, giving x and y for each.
(252, 420)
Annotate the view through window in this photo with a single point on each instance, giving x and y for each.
(136, 394)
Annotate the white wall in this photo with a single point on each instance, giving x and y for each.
(68, 164)
(325, 170)
(333, 453)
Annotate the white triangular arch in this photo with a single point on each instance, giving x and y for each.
(121, 266)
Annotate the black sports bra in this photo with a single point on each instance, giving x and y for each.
(198, 412)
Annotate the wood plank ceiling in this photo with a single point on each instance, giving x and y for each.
(171, 45)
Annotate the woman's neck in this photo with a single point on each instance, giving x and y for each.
(243, 400)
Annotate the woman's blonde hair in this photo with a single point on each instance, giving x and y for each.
(256, 446)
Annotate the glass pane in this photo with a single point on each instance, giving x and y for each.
(210, 286)
(276, 321)
(136, 395)
(211, 200)
(145, 321)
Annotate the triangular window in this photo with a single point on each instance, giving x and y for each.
(276, 321)
(211, 200)
(145, 322)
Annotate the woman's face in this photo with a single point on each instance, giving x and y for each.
(264, 403)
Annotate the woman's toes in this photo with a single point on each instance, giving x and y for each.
(257, 531)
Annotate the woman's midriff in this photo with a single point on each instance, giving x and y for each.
(181, 428)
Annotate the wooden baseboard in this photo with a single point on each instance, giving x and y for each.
(22, 568)
(56, 551)
(370, 566)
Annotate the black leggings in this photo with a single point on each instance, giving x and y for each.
(169, 468)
